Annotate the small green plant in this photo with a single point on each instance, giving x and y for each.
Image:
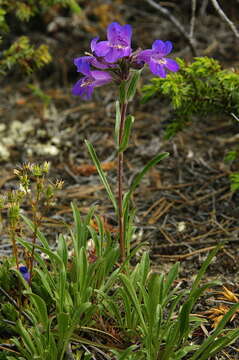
(84, 299)
(231, 158)
(38, 193)
(199, 89)
(21, 52)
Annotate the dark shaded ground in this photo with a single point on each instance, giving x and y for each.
(185, 206)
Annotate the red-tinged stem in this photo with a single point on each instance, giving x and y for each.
(120, 183)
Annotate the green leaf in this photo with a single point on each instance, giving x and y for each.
(47, 281)
(41, 309)
(128, 126)
(39, 234)
(63, 320)
(141, 174)
(219, 344)
(172, 275)
(129, 288)
(27, 340)
(74, 6)
(133, 85)
(203, 350)
(205, 266)
(62, 249)
(184, 351)
(184, 319)
(101, 174)
(55, 258)
(62, 288)
(122, 92)
(117, 123)
(84, 276)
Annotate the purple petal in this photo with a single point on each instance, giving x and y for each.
(162, 48)
(24, 271)
(168, 47)
(157, 69)
(84, 91)
(126, 51)
(117, 53)
(101, 77)
(98, 64)
(84, 88)
(77, 88)
(88, 91)
(93, 43)
(113, 55)
(113, 31)
(101, 48)
(126, 31)
(171, 65)
(144, 56)
(83, 64)
(158, 46)
(117, 34)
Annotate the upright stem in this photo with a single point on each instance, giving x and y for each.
(14, 246)
(120, 182)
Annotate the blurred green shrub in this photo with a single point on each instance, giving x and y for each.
(198, 89)
(21, 51)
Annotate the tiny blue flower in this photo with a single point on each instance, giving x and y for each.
(24, 271)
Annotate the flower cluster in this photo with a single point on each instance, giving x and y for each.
(112, 59)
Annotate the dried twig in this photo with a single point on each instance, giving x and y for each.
(185, 256)
(178, 25)
(192, 22)
(225, 18)
(203, 8)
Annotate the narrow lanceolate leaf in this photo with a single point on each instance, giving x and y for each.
(205, 266)
(39, 234)
(128, 126)
(26, 338)
(122, 92)
(117, 123)
(130, 290)
(101, 173)
(40, 308)
(207, 344)
(63, 320)
(133, 85)
(141, 174)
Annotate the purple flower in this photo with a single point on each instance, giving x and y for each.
(156, 59)
(24, 271)
(93, 78)
(118, 44)
(84, 62)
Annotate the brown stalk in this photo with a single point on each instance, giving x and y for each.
(120, 182)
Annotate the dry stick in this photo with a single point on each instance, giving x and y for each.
(173, 20)
(225, 18)
(36, 223)
(192, 22)
(120, 183)
(203, 8)
(185, 256)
